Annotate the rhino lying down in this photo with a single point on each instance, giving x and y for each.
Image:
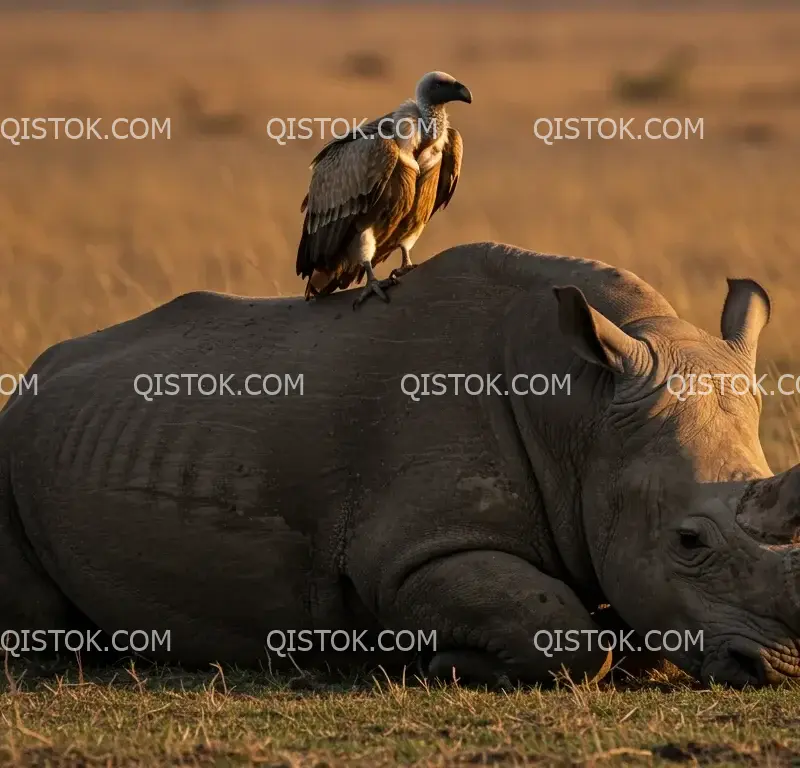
(355, 507)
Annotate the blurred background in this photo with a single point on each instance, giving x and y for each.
(94, 232)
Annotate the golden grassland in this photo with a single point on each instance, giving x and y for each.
(92, 233)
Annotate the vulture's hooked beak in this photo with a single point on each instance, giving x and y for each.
(461, 93)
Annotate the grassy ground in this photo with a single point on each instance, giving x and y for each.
(92, 233)
(149, 716)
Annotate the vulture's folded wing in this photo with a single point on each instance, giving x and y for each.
(348, 177)
(449, 169)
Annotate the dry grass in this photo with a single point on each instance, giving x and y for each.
(156, 716)
(92, 233)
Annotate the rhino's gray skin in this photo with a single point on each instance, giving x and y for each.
(486, 518)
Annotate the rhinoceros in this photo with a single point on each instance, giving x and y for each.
(486, 516)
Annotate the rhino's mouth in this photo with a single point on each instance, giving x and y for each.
(781, 662)
(741, 661)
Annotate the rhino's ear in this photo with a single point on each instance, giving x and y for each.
(746, 312)
(593, 336)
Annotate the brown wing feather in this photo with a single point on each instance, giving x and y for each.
(348, 179)
(372, 128)
(449, 169)
(355, 173)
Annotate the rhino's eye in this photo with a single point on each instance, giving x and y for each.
(692, 544)
(691, 540)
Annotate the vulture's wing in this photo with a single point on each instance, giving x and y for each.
(348, 177)
(449, 169)
(367, 130)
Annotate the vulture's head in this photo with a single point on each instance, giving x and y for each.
(441, 88)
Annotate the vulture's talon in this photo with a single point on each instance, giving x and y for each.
(400, 271)
(375, 287)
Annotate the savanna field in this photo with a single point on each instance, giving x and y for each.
(95, 232)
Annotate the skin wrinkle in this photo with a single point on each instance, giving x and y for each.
(701, 426)
(612, 525)
(706, 560)
(628, 407)
(519, 444)
(568, 473)
(659, 432)
(755, 635)
(680, 407)
(672, 345)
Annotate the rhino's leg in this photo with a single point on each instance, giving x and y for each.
(486, 608)
(29, 599)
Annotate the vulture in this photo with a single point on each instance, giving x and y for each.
(374, 190)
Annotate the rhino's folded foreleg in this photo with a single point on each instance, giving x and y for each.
(497, 618)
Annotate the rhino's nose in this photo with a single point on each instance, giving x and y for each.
(791, 570)
(744, 662)
(747, 666)
(737, 663)
(788, 608)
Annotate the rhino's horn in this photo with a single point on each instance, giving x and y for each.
(769, 509)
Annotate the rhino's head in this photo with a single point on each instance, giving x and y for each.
(687, 527)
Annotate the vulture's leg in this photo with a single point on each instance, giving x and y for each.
(406, 266)
(365, 255)
(374, 286)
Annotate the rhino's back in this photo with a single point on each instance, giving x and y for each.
(473, 283)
